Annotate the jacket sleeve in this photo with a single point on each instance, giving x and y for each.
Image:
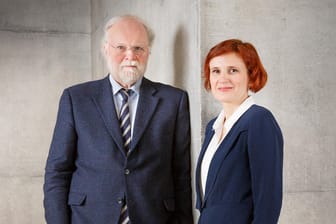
(181, 164)
(60, 165)
(265, 148)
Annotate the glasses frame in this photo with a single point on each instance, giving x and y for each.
(122, 49)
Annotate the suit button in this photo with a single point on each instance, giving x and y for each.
(127, 171)
(120, 201)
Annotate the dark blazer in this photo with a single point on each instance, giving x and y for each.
(244, 183)
(88, 174)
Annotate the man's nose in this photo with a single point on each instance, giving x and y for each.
(129, 54)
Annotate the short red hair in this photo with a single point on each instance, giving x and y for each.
(247, 52)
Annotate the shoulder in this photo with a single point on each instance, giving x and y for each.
(210, 124)
(162, 88)
(257, 113)
(261, 118)
(88, 88)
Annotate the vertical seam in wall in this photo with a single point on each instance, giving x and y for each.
(91, 39)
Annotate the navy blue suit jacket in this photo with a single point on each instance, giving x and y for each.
(88, 174)
(244, 183)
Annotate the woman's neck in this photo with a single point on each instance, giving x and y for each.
(230, 108)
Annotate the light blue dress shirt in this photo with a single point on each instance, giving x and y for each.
(132, 100)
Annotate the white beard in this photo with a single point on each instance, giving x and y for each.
(130, 77)
(127, 76)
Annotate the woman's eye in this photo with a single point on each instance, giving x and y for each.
(215, 71)
(233, 70)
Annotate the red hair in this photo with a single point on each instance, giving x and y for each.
(247, 52)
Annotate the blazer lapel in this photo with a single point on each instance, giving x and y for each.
(208, 137)
(223, 150)
(146, 107)
(105, 105)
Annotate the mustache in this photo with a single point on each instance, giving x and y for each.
(130, 63)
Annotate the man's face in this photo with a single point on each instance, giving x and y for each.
(126, 51)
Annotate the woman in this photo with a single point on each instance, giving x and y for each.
(239, 170)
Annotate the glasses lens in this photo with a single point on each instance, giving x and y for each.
(121, 49)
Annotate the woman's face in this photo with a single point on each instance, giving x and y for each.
(228, 79)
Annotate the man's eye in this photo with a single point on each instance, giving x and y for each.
(121, 48)
(138, 49)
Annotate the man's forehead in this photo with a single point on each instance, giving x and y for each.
(129, 29)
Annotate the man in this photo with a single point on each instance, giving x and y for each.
(120, 152)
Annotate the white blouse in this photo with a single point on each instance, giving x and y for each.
(217, 140)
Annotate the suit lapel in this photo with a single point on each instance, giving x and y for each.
(145, 110)
(105, 105)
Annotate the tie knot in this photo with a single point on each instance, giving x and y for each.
(125, 93)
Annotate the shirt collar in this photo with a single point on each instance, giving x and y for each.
(218, 124)
(116, 86)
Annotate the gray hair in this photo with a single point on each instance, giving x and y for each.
(114, 20)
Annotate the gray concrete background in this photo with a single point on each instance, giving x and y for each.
(47, 45)
(44, 47)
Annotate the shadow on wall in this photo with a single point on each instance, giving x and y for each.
(180, 54)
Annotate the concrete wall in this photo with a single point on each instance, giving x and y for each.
(47, 45)
(44, 47)
(296, 42)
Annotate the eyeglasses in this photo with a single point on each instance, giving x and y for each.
(121, 49)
